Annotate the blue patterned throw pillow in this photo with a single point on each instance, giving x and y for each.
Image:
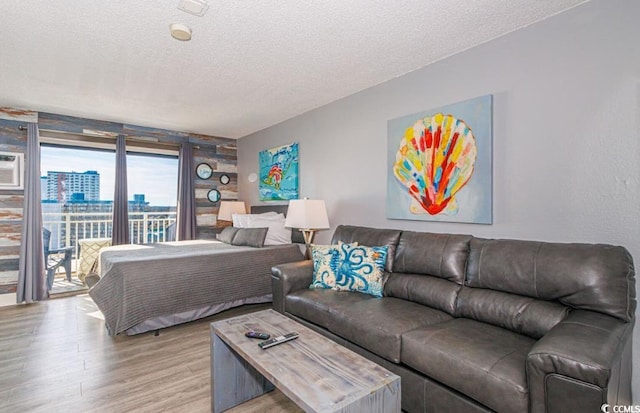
(349, 267)
(326, 259)
(362, 270)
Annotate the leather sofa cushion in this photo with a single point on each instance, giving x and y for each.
(314, 305)
(369, 237)
(440, 255)
(485, 362)
(584, 276)
(524, 315)
(424, 289)
(378, 324)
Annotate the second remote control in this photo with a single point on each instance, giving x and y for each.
(256, 334)
(277, 340)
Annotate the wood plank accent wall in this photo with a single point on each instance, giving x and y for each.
(218, 152)
(12, 139)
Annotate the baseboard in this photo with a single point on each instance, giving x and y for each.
(8, 299)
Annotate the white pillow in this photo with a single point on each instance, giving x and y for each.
(242, 220)
(277, 233)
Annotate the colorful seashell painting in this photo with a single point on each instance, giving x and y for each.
(440, 164)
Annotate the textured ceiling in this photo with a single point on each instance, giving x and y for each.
(250, 64)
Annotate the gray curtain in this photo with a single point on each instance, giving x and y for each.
(31, 270)
(120, 233)
(186, 214)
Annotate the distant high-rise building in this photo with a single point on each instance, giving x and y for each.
(68, 186)
(43, 188)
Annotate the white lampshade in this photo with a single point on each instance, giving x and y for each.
(307, 214)
(228, 208)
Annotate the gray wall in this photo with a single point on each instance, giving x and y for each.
(565, 141)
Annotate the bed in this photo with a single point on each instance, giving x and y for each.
(148, 287)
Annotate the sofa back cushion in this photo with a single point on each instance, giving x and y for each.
(524, 315)
(369, 237)
(439, 255)
(583, 276)
(434, 292)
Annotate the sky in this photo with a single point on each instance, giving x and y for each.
(155, 177)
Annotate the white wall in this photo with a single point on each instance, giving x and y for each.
(565, 140)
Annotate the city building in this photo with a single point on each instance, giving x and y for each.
(64, 186)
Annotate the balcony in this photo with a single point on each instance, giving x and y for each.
(71, 228)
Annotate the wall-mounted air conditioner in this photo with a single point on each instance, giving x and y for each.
(11, 170)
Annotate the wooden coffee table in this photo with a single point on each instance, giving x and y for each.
(314, 372)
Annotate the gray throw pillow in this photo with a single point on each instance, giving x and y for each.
(227, 235)
(250, 237)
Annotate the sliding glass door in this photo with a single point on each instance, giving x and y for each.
(77, 186)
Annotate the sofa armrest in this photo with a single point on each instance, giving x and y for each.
(580, 364)
(287, 278)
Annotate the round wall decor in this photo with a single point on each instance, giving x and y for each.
(224, 179)
(214, 195)
(204, 171)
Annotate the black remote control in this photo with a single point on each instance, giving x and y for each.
(277, 340)
(256, 334)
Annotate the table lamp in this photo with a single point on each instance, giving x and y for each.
(228, 208)
(308, 216)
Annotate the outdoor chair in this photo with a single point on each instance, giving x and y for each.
(171, 232)
(54, 258)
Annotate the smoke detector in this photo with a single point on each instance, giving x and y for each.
(180, 32)
(196, 7)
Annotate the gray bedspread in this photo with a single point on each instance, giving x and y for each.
(140, 282)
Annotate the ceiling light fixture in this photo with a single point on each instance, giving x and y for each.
(196, 7)
(180, 32)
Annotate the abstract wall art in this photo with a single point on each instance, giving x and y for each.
(279, 173)
(440, 164)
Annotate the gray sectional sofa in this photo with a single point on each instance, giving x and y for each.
(480, 325)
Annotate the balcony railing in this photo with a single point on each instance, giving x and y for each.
(67, 228)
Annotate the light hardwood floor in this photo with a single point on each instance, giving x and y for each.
(56, 356)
